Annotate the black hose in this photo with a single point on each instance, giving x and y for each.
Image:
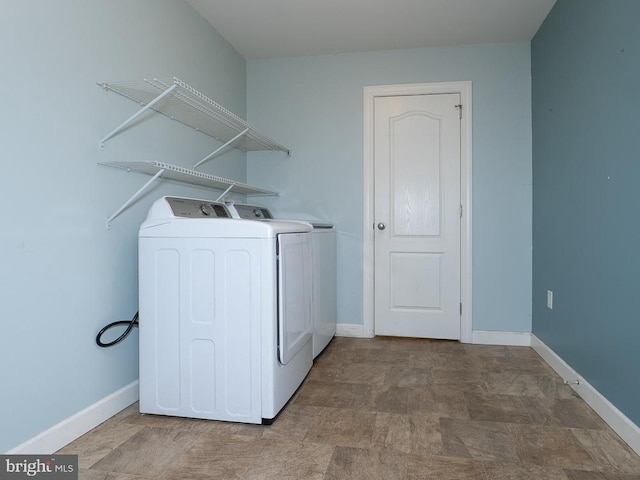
(131, 323)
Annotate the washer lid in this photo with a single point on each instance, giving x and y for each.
(318, 223)
(219, 228)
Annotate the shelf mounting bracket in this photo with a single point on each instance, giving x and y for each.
(220, 148)
(223, 194)
(134, 197)
(128, 121)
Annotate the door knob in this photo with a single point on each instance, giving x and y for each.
(381, 226)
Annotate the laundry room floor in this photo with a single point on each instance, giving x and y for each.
(382, 408)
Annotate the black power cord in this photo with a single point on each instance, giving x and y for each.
(130, 324)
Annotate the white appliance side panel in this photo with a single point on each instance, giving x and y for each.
(200, 313)
(200, 346)
(324, 301)
(146, 330)
(166, 330)
(202, 393)
(295, 328)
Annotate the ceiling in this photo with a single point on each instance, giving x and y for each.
(282, 28)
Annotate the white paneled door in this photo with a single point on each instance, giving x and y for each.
(417, 215)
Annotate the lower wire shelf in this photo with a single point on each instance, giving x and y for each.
(180, 174)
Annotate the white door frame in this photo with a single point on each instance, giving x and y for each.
(370, 93)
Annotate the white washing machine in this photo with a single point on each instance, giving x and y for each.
(225, 320)
(323, 247)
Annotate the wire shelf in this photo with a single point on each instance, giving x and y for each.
(185, 175)
(194, 109)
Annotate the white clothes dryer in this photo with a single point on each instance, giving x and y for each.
(324, 301)
(323, 247)
(225, 320)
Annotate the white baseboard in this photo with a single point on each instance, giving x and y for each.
(617, 420)
(65, 432)
(480, 337)
(485, 337)
(350, 330)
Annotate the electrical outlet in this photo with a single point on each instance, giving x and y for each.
(549, 299)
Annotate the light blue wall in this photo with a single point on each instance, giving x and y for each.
(314, 105)
(63, 275)
(586, 92)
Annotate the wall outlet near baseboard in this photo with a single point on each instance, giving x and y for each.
(549, 299)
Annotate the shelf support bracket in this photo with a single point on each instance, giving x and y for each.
(224, 194)
(220, 148)
(128, 121)
(134, 197)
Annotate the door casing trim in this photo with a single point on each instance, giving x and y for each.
(463, 88)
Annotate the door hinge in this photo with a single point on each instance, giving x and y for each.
(461, 211)
(460, 308)
(459, 107)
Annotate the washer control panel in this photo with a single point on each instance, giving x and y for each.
(191, 208)
(252, 212)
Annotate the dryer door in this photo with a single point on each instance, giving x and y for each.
(294, 294)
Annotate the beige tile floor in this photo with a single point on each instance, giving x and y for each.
(383, 408)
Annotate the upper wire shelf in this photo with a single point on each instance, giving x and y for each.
(180, 102)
